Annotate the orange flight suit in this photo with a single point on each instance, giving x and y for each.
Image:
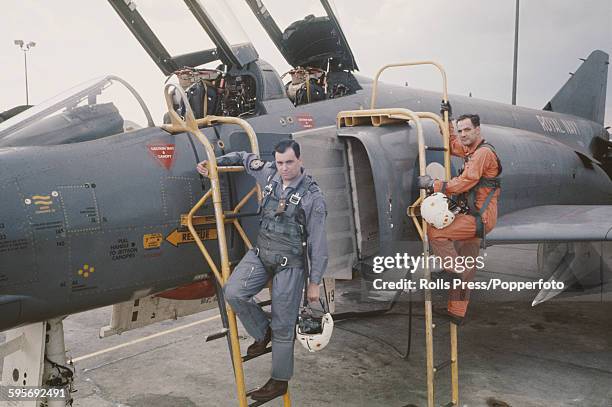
(459, 238)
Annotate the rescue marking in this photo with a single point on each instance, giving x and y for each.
(176, 237)
(146, 338)
(163, 153)
(152, 241)
(305, 120)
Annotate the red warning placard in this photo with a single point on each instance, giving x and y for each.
(164, 153)
(305, 120)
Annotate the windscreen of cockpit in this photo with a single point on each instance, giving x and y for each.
(174, 26)
(98, 108)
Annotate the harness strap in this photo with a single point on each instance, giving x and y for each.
(487, 182)
(269, 189)
(296, 198)
(484, 143)
(290, 207)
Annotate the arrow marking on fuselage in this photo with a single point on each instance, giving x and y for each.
(176, 237)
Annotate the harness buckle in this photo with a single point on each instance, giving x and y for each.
(267, 190)
(284, 261)
(295, 199)
(256, 251)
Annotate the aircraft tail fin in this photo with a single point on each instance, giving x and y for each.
(584, 94)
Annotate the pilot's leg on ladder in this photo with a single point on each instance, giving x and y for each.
(442, 242)
(287, 289)
(248, 278)
(458, 299)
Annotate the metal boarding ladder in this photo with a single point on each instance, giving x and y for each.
(378, 117)
(228, 317)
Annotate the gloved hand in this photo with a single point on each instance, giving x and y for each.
(202, 168)
(446, 107)
(425, 182)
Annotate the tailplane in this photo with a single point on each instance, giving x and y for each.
(584, 94)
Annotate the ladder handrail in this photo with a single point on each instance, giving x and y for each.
(406, 64)
(444, 99)
(191, 125)
(405, 114)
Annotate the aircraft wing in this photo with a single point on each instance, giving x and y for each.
(554, 223)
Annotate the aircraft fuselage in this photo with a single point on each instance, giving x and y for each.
(90, 224)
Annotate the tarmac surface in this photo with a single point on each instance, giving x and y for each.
(510, 354)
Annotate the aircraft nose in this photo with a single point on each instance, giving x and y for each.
(10, 311)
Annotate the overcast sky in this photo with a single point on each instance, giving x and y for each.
(473, 39)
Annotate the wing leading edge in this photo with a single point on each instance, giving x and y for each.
(554, 223)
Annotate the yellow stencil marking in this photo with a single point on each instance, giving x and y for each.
(86, 270)
(152, 240)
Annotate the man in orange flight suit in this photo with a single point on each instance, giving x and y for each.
(478, 186)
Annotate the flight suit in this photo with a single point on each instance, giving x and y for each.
(251, 275)
(460, 238)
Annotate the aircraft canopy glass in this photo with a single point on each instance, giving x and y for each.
(174, 26)
(101, 107)
(188, 33)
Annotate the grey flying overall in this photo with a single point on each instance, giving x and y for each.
(279, 255)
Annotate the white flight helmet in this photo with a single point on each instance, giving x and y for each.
(435, 210)
(314, 333)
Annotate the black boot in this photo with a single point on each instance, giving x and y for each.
(455, 319)
(272, 389)
(259, 347)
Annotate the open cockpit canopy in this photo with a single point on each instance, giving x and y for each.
(314, 40)
(178, 42)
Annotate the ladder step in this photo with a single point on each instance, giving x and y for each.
(260, 403)
(449, 404)
(443, 365)
(230, 168)
(231, 215)
(435, 148)
(246, 358)
(264, 303)
(217, 335)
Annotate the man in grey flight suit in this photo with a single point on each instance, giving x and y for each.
(293, 209)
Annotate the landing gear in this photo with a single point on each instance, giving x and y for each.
(35, 358)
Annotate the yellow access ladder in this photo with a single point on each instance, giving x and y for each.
(191, 125)
(378, 117)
